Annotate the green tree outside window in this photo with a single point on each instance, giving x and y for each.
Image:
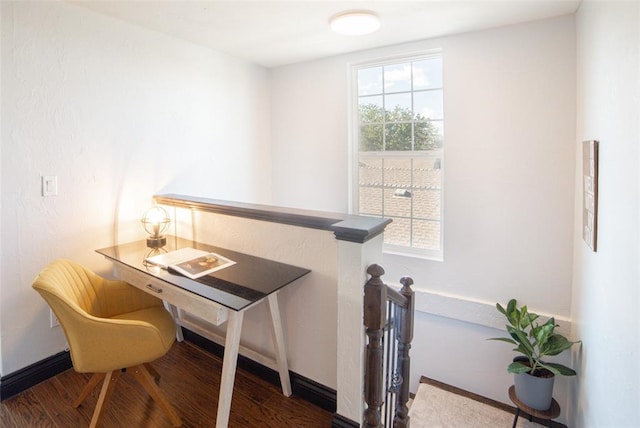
(399, 130)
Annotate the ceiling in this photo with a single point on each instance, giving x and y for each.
(276, 33)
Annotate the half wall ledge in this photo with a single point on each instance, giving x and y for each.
(346, 227)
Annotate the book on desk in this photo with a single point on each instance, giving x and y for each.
(191, 262)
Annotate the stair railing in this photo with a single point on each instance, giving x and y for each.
(388, 319)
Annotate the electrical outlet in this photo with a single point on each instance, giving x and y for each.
(53, 320)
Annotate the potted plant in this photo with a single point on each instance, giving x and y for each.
(533, 376)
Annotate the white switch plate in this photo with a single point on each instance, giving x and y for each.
(53, 320)
(49, 185)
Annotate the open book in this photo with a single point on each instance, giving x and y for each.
(191, 262)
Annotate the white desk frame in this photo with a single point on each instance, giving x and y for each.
(213, 312)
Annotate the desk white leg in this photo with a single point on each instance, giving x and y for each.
(279, 344)
(176, 318)
(229, 363)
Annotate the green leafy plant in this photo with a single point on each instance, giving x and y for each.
(533, 340)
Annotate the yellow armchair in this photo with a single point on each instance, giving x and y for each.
(111, 327)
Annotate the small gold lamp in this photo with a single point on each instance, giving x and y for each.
(155, 221)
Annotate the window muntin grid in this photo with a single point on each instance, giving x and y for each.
(400, 134)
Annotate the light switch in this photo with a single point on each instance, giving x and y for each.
(49, 185)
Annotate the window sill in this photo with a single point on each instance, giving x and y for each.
(434, 256)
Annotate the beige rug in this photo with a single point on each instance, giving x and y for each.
(434, 407)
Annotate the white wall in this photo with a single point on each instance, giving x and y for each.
(509, 183)
(111, 109)
(118, 113)
(309, 124)
(308, 306)
(1, 169)
(606, 286)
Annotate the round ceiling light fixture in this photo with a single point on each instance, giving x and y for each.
(355, 22)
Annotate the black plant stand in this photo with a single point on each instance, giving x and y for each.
(547, 415)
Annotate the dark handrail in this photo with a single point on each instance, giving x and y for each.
(346, 227)
(397, 297)
(395, 323)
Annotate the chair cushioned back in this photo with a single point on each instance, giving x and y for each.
(108, 324)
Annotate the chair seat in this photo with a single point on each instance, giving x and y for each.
(157, 316)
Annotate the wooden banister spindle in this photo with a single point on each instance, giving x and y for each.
(375, 316)
(405, 336)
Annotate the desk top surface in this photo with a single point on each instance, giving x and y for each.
(236, 287)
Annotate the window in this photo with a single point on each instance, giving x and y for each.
(399, 138)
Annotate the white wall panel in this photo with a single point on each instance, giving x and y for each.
(606, 285)
(117, 113)
(509, 96)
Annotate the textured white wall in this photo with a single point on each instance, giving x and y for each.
(606, 286)
(309, 113)
(354, 260)
(510, 112)
(509, 181)
(308, 306)
(112, 109)
(118, 113)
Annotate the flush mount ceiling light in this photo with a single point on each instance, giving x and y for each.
(355, 22)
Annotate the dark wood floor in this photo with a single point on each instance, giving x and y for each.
(190, 380)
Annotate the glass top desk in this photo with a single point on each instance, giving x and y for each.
(219, 297)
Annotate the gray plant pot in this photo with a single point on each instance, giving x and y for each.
(535, 392)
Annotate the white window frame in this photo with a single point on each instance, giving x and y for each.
(354, 150)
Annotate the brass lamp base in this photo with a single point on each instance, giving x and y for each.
(156, 241)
